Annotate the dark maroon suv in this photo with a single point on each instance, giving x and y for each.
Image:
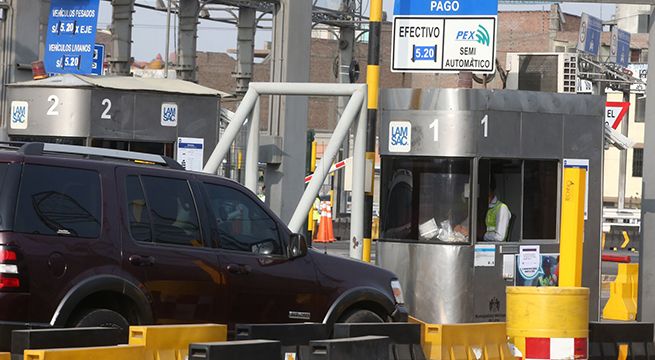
(93, 236)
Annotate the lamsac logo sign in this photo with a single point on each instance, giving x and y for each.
(169, 114)
(19, 114)
(480, 35)
(400, 136)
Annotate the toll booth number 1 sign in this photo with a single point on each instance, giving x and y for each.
(444, 36)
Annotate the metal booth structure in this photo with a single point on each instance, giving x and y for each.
(443, 150)
(125, 113)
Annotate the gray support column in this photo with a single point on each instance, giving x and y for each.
(291, 55)
(188, 36)
(346, 46)
(646, 310)
(245, 48)
(121, 36)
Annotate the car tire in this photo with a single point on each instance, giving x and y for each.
(101, 318)
(361, 316)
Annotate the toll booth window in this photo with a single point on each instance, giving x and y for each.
(499, 203)
(517, 200)
(427, 200)
(540, 199)
(58, 201)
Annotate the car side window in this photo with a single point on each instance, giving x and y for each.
(242, 224)
(138, 215)
(172, 211)
(59, 201)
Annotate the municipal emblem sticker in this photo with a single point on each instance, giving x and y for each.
(19, 114)
(400, 136)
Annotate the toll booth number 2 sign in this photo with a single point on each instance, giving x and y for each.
(444, 36)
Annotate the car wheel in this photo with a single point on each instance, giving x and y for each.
(361, 316)
(102, 318)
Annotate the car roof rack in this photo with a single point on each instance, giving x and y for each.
(39, 148)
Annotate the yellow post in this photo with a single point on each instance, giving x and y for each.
(572, 227)
(312, 164)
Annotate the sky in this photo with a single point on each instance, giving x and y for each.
(149, 32)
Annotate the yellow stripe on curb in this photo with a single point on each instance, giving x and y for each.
(122, 352)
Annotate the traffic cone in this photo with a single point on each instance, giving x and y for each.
(329, 225)
(325, 228)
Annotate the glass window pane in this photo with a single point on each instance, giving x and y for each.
(172, 210)
(540, 199)
(137, 211)
(637, 162)
(499, 201)
(426, 199)
(59, 201)
(242, 224)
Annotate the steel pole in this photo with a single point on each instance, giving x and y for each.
(623, 158)
(373, 82)
(252, 149)
(323, 167)
(223, 146)
(357, 217)
(168, 38)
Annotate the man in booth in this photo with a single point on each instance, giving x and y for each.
(498, 216)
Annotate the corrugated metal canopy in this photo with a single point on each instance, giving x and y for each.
(127, 83)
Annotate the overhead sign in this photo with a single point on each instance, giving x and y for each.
(444, 36)
(615, 112)
(589, 35)
(71, 36)
(98, 65)
(620, 47)
(639, 71)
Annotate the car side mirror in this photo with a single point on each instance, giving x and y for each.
(297, 246)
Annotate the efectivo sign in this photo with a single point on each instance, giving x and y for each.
(444, 36)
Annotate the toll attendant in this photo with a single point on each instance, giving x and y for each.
(498, 216)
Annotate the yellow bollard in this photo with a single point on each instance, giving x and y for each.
(622, 304)
(548, 321)
(572, 227)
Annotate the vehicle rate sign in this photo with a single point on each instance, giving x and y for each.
(71, 36)
(444, 36)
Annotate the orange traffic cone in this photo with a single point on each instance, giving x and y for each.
(325, 225)
(329, 225)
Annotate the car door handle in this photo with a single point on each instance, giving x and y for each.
(139, 260)
(239, 269)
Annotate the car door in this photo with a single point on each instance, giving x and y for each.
(264, 284)
(165, 246)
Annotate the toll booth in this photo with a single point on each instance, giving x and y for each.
(442, 151)
(147, 115)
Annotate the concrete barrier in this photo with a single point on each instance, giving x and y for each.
(5, 356)
(22, 340)
(622, 304)
(481, 341)
(621, 340)
(236, 350)
(122, 352)
(405, 337)
(172, 341)
(294, 338)
(359, 348)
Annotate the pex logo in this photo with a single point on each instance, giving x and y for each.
(400, 136)
(169, 114)
(19, 114)
(480, 35)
